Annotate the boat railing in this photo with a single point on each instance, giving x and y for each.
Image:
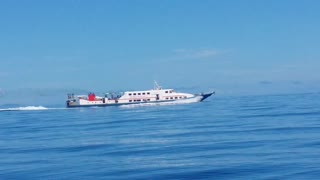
(70, 96)
(113, 95)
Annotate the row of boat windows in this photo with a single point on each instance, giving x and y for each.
(167, 98)
(139, 100)
(144, 93)
(139, 93)
(176, 97)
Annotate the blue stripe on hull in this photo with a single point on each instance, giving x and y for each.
(206, 95)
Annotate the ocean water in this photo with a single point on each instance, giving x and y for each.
(250, 137)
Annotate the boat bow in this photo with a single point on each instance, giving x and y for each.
(206, 95)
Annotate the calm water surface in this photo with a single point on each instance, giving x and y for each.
(257, 137)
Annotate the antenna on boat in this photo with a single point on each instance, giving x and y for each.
(157, 86)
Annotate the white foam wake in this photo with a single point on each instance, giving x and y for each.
(180, 101)
(26, 108)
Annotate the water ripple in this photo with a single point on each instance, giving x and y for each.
(257, 137)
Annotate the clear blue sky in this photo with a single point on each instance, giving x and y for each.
(247, 46)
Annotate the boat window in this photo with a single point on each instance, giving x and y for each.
(138, 100)
(129, 94)
(148, 92)
(176, 97)
(167, 98)
(148, 99)
(130, 100)
(134, 93)
(171, 98)
(139, 93)
(166, 91)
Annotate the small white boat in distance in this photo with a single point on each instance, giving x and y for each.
(156, 95)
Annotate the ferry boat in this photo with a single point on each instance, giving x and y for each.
(155, 95)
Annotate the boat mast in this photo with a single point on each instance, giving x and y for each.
(156, 86)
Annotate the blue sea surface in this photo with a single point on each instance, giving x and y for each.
(249, 137)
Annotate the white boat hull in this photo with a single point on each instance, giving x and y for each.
(85, 103)
(156, 95)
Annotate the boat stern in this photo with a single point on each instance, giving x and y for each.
(71, 101)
